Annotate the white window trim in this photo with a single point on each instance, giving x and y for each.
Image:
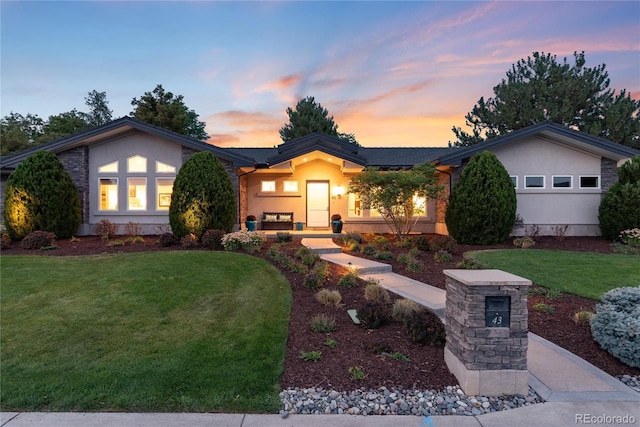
(262, 184)
(589, 176)
(515, 186)
(100, 194)
(544, 182)
(146, 188)
(570, 187)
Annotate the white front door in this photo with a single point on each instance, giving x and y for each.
(317, 203)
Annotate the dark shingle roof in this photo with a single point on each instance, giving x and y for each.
(403, 157)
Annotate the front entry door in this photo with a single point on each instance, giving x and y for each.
(317, 203)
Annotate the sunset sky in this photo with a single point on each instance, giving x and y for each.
(392, 73)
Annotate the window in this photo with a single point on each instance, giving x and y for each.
(136, 164)
(560, 181)
(290, 186)
(419, 205)
(109, 168)
(164, 188)
(164, 168)
(534, 182)
(137, 194)
(354, 205)
(589, 182)
(108, 194)
(514, 179)
(268, 186)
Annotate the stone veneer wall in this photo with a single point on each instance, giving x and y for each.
(479, 347)
(608, 174)
(76, 163)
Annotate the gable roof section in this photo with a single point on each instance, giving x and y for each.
(404, 157)
(317, 141)
(120, 127)
(556, 131)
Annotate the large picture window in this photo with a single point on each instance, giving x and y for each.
(164, 188)
(108, 194)
(137, 194)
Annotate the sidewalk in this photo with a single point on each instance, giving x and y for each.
(575, 391)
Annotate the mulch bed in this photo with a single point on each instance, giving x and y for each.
(370, 349)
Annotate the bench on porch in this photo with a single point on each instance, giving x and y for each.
(277, 220)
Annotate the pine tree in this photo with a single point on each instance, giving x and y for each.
(482, 206)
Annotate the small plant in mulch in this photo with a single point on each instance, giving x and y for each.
(376, 293)
(424, 327)
(399, 356)
(168, 239)
(372, 315)
(329, 298)
(543, 308)
(402, 308)
(331, 343)
(322, 323)
(356, 373)
(106, 229)
(442, 256)
(583, 317)
(443, 243)
(284, 237)
(552, 294)
(349, 280)
(378, 346)
(212, 238)
(38, 240)
(469, 264)
(189, 241)
(523, 242)
(310, 356)
(384, 255)
(116, 242)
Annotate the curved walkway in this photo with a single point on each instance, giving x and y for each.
(554, 373)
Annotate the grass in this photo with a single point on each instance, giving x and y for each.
(156, 331)
(580, 273)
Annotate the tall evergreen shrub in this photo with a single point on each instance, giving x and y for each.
(203, 197)
(40, 195)
(482, 206)
(620, 208)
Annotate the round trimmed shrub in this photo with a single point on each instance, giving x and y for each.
(482, 205)
(40, 195)
(616, 325)
(619, 209)
(203, 197)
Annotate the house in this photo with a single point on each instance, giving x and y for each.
(124, 171)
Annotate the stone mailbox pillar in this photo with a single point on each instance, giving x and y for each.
(486, 320)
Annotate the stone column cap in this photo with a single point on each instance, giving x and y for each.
(486, 278)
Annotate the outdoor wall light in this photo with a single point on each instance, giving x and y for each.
(337, 191)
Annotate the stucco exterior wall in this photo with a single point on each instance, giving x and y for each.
(549, 207)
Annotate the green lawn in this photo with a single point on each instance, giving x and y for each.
(580, 273)
(156, 331)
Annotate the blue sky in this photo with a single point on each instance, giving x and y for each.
(392, 73)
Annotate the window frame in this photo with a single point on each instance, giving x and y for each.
(582, 187)
(553, 183)
(527, 187)
(117, 194)
(146, 187)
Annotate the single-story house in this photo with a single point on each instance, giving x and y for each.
(124, 172)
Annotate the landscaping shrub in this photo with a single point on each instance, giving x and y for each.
(329, 298)
(376, 293)
(38, 240)
(212, 239)
(132, 229)
(40, 195)
(422, 243)
(523, 242)
(189, 241)
(372, 315)
(349, 280)
(424, 327)
(322, 323)
(482, 205)
(384, 255)
(6, 241)
(203, 197)
(442, 256)
(250, 241)
(369, 250)
(616, 324)
(402, 308)
(106, 229)
(443, 243)
(312, 280)
(352, 236)
(619, 209)
(283, 237)
(168, 239)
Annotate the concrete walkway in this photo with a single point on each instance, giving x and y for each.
(575, 391)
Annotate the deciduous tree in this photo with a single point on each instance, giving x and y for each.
(398, 195)
(166, 110)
